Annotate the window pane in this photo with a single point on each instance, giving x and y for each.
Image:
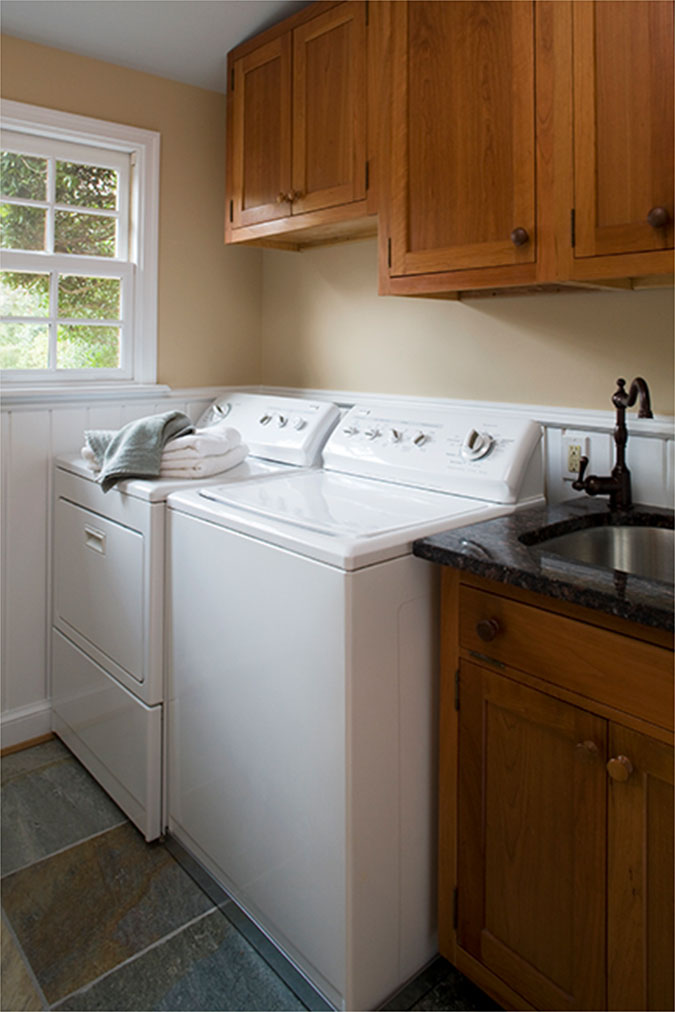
(88, 347)
(86, 185)
(24, 346)
(22, 227)
(89, 298)
(87, 234)
(23, 176)
(23, 294)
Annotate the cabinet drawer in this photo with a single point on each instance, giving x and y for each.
(604, 666)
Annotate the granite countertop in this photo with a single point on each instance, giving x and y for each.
(493, 549)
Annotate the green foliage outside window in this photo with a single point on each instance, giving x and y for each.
(24, 344)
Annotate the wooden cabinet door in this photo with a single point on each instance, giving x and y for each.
(261, 135)
(329, 109)
(531, 851)
(640, 875)
(463, 142)
(623, 124)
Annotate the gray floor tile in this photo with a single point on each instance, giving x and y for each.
(28, 760)
(84, 911)
(49, 801)
(19, 993)
(207, 965)
(454, 993)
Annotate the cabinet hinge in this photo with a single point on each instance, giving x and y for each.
(389, 252)
(455, 908)
(457, 689)
(231, 210)
(367, 176)
(573, 228)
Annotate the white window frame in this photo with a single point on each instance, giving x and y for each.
(139, 265)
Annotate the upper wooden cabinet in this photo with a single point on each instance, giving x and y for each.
(463, 143)
(297, 128)
(623, 129)
(532, 144)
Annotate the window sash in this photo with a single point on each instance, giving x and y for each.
(69, 137)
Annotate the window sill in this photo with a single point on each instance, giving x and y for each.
(14, 394)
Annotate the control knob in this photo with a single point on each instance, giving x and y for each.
(299, 423)
(476, 444)
(395, 435)
(265, 419)
(372, 433)
(351, 430)
(420, 439)
(282, 421)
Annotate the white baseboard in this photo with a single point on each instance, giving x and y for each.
(25, 723)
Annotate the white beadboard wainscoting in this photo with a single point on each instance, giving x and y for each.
(35, 429)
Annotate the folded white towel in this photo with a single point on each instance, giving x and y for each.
(182, 467)
(209, 442)
(205, 466)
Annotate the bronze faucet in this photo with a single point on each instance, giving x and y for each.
(617, 486)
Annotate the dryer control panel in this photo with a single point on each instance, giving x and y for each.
(480, 453)
(289, 430)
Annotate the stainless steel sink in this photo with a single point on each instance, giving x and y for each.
(642, 551)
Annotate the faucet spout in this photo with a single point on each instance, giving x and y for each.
(638, 389)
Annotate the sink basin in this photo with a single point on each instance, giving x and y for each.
(642, 551)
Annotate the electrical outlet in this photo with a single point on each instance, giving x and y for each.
(573, 457)
(574, 446)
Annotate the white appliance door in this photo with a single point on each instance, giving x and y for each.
(339, 505)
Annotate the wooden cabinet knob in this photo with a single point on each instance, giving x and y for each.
(620, 768)
(295, 195)
(519, 236)
(281, 197)
(588, 747)
(658, 217)
(487, 629)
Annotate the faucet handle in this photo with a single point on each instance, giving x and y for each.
(578, 482)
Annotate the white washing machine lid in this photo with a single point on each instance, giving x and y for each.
(334, 518)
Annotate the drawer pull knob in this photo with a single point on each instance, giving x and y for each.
(658, 217)
(488, 629)
(589, 747)
(620, 768)
(519, 236)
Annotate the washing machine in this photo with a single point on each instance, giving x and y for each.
(303, 680)
(107, 639)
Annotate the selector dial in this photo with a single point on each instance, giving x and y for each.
(476, 444)
(395, 435)
(299, 423)
(265, 419)
(351, 430)
(420, 438)
(372, 433)
(282, 421)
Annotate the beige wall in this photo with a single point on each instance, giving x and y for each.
(209, 296)
(324, 327)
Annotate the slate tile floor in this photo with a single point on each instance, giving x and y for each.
(95, 918)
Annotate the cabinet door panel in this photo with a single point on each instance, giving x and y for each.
(640, 875)
(463, 136)
(329, 109)
(623, 131)
(261, 136)
(531, 861)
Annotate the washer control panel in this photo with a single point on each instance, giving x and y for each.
(473, 452)
(286, 429)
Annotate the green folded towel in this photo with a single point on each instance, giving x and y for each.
(135, 451)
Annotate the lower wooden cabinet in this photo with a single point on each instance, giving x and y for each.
(563, 817)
